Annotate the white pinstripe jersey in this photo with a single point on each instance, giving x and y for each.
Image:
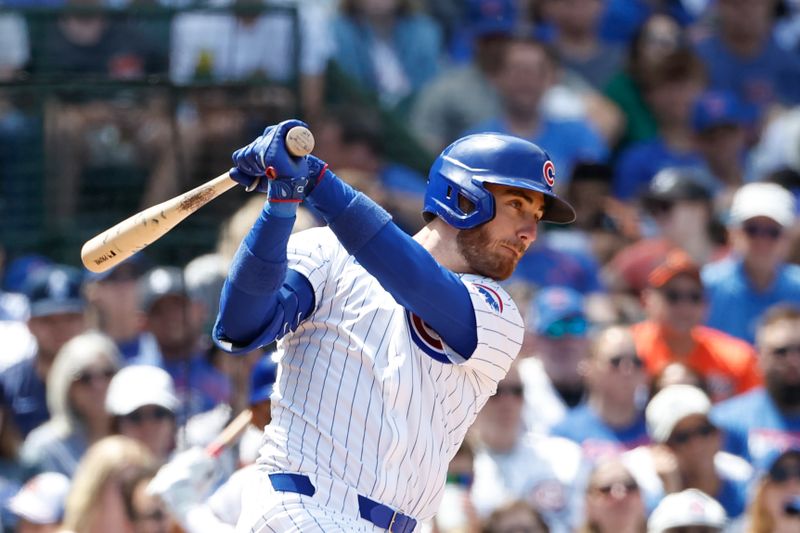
(357, 398)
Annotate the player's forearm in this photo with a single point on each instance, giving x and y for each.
(402, 266)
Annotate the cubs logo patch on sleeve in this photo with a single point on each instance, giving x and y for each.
(491, 297)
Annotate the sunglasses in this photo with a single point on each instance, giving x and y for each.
(782, 474)
(633, 360)
(461, 479)
(156, 414)
(617, 489)
(567, 327)
(674, 297)
(86, 377)
(784, 351)
(517, 391)
(769, 232)
(679, 438)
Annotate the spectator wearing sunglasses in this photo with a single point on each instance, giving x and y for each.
(774, 506)
(556, 342)
(613, 502)
(142, 400)
(768, 418)
(688, 511)
(76, 392)
(612, 419)
(756, 276)
(686, 452)
(673, 332)
(510, 464)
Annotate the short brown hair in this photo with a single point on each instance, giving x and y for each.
(680, 65)
(781, 312)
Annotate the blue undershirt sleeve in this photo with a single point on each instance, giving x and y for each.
(402, 266)
(262, 299)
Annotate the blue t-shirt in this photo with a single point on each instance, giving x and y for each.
(773, 76)
(24, 394)
(583, 426)
(754, 427)
(734, 306)
(567, 142)
(732, 496)
(545, 266)
(641, 161)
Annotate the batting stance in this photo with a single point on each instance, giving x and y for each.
(389, 344)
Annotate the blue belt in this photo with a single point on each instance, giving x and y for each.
(377, 513)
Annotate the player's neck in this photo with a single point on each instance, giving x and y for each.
(440, 240)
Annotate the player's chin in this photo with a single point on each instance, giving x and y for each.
(497, 268)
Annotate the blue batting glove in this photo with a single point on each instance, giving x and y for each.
(265, 165)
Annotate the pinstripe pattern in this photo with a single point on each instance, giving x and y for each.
(358, 405)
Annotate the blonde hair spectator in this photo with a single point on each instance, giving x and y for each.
(95, 502)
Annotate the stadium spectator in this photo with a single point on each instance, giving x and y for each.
(657, 37)
(114, 304)
(621, 18)
(144, 510)
(688, 510)
(548, 472)
(515, 517)
(774, 505)
(741, 287)
(56, 315)
(12, 472)
(437, 119)
(173, 323)
(768, 418)
(39, 505)
(676, 374)
(456, 511)
(142, 400)
(556, 344)
(95, 502)
(577, 42)
(388, 48)
(526, 74)
(673, 332)
(678, 214)
(670, 88)
(612, 419)
(686, 452)
(613, 501)
(741, 55)
(76, 395)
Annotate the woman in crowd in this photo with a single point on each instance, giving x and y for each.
(775, 506)
(76, 395)
(96, 503)
(613, 501)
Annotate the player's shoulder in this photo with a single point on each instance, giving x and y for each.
(491, 296)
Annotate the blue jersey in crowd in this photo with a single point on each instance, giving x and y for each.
(567, 142)
(754, 427)
(584, 426)
(734, 305)
(638, 164)
(23, 392)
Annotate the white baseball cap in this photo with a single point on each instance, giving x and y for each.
(138, 385)
(690, 507)
(41, 499)
(763, 200)
(671, 405)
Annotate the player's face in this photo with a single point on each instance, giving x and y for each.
(494, 249)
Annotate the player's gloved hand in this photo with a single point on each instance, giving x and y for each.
(185, 481)
(265, 165)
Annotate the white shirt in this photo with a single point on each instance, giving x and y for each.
(358, 400)
(544, 407)
(548, 472)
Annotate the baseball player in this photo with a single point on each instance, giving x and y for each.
(389, 345)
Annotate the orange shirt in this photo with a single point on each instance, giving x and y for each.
(728, 365)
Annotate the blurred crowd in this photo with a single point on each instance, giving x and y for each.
(658, 387)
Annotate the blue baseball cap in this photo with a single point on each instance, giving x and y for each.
(720, 108)
(20, 269)
(262, 379)
(558, 312)
(486, 17)
(53, 290)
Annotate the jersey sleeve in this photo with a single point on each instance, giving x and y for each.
(310, 253)
(499, 328)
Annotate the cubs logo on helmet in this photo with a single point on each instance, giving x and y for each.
(457, 180)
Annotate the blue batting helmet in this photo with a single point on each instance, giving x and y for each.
(456, 190)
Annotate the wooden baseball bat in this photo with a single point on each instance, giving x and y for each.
(230, 434)
(138, 231)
